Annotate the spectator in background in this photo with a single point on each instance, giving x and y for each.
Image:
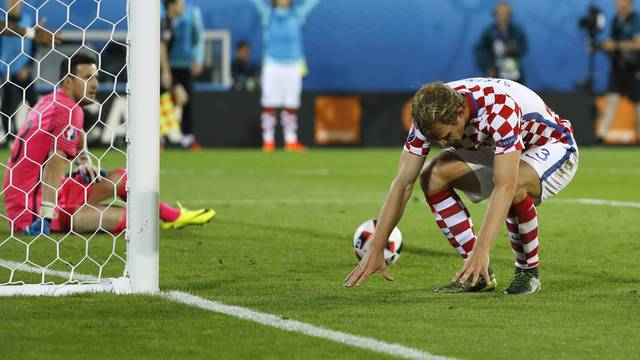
(282, 69)
(186, 58)
(243, 72)
(624, 52)
(501, 47)
(16, 51)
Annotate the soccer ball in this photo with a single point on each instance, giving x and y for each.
(364, 233)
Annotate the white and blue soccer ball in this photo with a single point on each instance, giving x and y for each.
(363, 236)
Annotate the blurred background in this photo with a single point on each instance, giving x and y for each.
(364, 59)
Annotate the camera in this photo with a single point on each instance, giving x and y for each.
(594, 22)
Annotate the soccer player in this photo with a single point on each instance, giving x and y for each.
(500, 142)
(186, 58)
(18, 52)
(51, 137)
(622, 47)
(502, 45)
(282, 70)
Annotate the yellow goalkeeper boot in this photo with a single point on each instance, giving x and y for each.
(190, 217)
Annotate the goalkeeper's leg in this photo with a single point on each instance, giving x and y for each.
(174, 218)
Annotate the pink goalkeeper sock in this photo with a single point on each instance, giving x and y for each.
(122, 184)
(168, 213)
(121, 225)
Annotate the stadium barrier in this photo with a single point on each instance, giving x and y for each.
(231, 119)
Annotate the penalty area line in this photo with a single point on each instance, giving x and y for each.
(275, 321)
(366, 343)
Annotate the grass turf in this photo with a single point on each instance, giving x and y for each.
(281, 243)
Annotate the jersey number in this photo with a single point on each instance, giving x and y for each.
(540, 156)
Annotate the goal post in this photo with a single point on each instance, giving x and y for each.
(143, 145)
(78, 260)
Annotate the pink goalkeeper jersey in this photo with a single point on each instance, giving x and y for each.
(504, 115)
(54, 124)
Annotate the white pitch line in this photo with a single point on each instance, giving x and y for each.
(275, 321)
(360, 201)
(600, 202)
(366, 343)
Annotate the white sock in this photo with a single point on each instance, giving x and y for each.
(289, 121)
(610, 108)
(268, 122)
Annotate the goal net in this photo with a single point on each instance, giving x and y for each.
(68, 208)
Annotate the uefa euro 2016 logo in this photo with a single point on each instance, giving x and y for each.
(70, 134)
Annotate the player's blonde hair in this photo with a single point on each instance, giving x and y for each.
(435, 103)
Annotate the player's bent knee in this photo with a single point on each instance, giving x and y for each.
(433, 178)
(519, 195)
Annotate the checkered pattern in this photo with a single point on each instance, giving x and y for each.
(522, 224)
(417, 143)
(504, 115)
(454, 220)
(536, 132)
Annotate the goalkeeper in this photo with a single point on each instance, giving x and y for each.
(38, 166)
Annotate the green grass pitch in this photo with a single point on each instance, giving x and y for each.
(281, 244)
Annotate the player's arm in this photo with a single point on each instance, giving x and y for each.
(198, 64)
(505, 176)
(304, 9)
(628, 45)
(392, 209)
(261, 8)
(84, 164)
(52, 173)
(165, 67)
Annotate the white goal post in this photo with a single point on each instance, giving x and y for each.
(51, 270)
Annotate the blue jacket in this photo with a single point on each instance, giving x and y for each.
(188, 39)
(283, 30)
(11, 48)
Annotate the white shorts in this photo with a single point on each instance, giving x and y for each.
(281, 85)
(555, 163)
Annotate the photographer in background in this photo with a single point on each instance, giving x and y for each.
(624, 52)
(18, 52)
(502, 46)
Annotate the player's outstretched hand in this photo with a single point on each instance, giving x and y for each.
(38, 227)
(477, 265)
(45, 36)
(370, 264)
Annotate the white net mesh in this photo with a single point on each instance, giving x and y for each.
(86, 242)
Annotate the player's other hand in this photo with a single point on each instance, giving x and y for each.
(40, 226)
(477, 265)
(45, 36)
(371, 263)
(608, 45)
(90, 173)
(196, 69)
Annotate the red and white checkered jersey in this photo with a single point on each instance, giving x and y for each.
(505, 115)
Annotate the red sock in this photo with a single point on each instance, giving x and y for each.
(168, 213)
(522, 224)
(454, 220)
(121, 225)
(122, 184)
